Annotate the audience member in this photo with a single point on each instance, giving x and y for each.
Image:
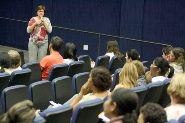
(161, 70)
(128, 76)
(177, 60)
(16, 60)
(54, 58)
(176, 90)
(152, 113)
(113, 50)
(121, 105)
(131, 55)
(70, 53)
(5, 62)
(144, 78)
(22, 112)
(166, 52)
(99, 83)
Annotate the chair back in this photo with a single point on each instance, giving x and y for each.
(154, 92)
(182, 119)
(75, 67)
(115, 79)
(22, 56)
(115, 64)
(57, 70)
(12, 95)
(36, 74)
(87, 65)
(173, 121)
(62, 89)
(141, 92)
(102, 61)
(40, 93)
(164, 99)
(87, 112)
(79, 80)
(20, 77)
(61, 114)
(39, 119)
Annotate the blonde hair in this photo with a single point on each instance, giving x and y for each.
(128, 75)
(177, 87)
(16, 58)
(141, 71)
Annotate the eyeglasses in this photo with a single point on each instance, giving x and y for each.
(40, 11)
(152, 65)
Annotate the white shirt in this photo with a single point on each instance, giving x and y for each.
(159, 78)
(14, 69)
(68, 61)
(177, 69)
(110, 54)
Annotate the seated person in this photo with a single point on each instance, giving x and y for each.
(113, 50)
(166, 52)
(128, 76)
(152, 113)
(131, 55)
(177, 60)
(121, 107)
(16, 60)
(70, 53)
(99, 83)
(160, 70)
(176, 90)
(54, 58)
(144, 78)
(22, 112)
(5, 62)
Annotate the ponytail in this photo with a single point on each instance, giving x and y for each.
(170, 72)
(148, 78)
(130, 117)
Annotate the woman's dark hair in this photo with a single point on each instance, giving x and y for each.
(5, 61)
(166, 50)
(22, 112)
(133, 54)
(126, 104)
(112, 46)
(70, 51)
(101, 78)
(165, 69)
(153, 113)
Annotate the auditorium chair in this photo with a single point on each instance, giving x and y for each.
(115, 79)
(75, 67)
(102, 61)
(114, 64)
(87, 65)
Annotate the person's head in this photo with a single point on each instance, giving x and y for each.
(177, 55)
(166, 52)
(40, 10)
(152, 113)
(5, 60)
(70, 51)
(121, 102)
(161, 67)
(16, 58)
(22, 112)
(56, 43)
(141, 70)
(176, 89)
(128, 75)
(100, 78)
(132, 55)
(112, 46)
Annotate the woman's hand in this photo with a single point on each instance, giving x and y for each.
(85, 89)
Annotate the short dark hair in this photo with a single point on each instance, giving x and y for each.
(153, 113)
(164, 67)
(101, 78)
(5, 60)
(133, 54)
(57, 43)
(166, 50)
(70, 51)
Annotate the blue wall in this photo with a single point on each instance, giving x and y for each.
(160, 21)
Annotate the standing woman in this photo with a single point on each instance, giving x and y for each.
(38, 41)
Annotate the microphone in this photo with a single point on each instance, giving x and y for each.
(41, 16)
